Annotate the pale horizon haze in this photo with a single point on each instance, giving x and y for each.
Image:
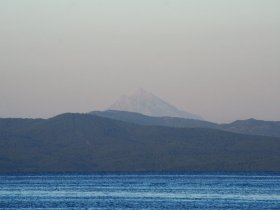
(219, 59)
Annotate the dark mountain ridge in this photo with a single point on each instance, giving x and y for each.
(87, 143)
(137, 118)
(250, 126)
(254, 127)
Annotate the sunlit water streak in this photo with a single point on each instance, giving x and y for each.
(141, 191)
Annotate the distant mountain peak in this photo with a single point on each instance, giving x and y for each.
(146, 103)
(141, 91)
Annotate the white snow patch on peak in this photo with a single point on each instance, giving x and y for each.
(146, 103)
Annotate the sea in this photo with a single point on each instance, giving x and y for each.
(254, 191)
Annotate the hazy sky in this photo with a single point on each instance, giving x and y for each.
(216, 58)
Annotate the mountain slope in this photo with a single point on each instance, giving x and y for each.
(255, 127)
(251, 126)
(137, 118)
(16, 123)
(149, 104)
(82, 142)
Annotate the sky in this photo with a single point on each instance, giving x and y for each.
(219, 59)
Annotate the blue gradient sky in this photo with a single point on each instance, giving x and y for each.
(218, 58)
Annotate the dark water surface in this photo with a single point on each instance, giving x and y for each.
(141, 191)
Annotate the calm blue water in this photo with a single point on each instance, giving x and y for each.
(140, 191)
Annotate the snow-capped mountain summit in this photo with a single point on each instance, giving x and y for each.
(148, 104)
